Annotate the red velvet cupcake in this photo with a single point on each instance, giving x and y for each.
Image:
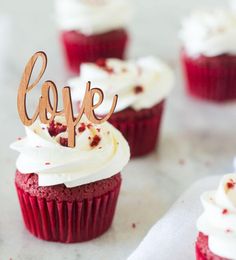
(63, 196)
(92, 29)
(217, 233)
(142, 87)
(202, 249)
(209, 55)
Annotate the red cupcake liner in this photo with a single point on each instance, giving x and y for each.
(68, 221)
(140, 128)
(202, 249)
(79, 48)
(210, 78)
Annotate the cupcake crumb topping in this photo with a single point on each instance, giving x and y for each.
(56, 128)
(138, 89)
(230, 184)
(64, 141)
(225, 211)
(95, 141)
(102, 63)
(82, 128)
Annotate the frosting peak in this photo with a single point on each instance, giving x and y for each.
(140, 84)
(92, 17)
(218, 221)
(209, 33)
(100, 152)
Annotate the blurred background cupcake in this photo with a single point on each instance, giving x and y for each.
(91, 29)
(69, 194)
(209, 54)
(142, 86)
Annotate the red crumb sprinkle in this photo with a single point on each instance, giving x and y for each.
(89, 137)
(133, 225)
(182, 162)
(96, 140)
(82, 128)
(56, 128)
(47, 163)
(230, 184)
(99, 130)
(64, 141)
(225, 211)
(138, 89)
(19, 138)
(101, 62)
(228, 230)
(89, 125)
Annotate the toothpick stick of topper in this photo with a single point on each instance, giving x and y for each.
(47, 107)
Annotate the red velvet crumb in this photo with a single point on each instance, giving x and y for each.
(64, 141)
(138, 89)
(82, 127)
(19, 138)
(101, 62)
(56, 128)
(96, 140)
(230, 184)
(133, 225)
(47, 163)
(228, 230)
(89, 125)
(224, 211)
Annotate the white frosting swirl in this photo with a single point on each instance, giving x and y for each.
(218, 221)
(123, 77)
(92, 16)
(209, 33)
(85, 163)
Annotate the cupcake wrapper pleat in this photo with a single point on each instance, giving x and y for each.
(68, 221)
(79, 48)
(141, 129)
(211, 79)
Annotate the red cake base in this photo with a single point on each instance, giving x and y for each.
(80, 48)
(67, 215)
(210, 78)
(140, 128)
(202, 250)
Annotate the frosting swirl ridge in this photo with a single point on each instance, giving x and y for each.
(140, 84)
(100, 152)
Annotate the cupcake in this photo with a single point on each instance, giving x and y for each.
(209, 55)
(217, 225)
(69, 194)
(142, 86)
(90, 29)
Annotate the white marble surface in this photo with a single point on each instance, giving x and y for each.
(197, 140)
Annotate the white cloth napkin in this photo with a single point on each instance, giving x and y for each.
(173, 237)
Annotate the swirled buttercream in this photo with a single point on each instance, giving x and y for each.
(209, 33)
(140, 84)
(100, 152)
(218, 221)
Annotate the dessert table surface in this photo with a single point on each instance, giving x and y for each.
(197, 140)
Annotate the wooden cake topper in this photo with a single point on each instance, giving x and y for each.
(47, 107)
